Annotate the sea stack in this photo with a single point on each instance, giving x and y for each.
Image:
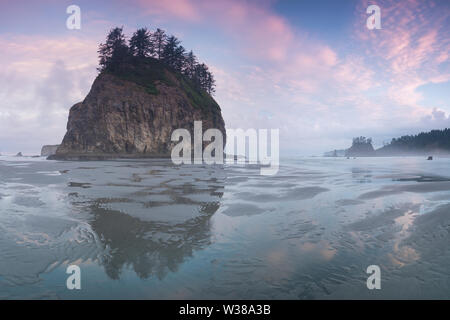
(361, 147)
(132, 112)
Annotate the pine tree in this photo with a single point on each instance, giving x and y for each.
(159, 39)
(203, 78)
(141, 44)
(179, 58)
(210, 83)
(189, 65)
(169, 51)
(114, 51)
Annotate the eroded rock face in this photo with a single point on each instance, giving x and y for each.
(49, 150)
(120, 118)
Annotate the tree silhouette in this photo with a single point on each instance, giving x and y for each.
(114, 51)
(433, 140)
(169, 51)
(157, 45)
(159, 41)
(203, 78)
(179, 58)
(189, 65)
(210, 85)
(141, 44)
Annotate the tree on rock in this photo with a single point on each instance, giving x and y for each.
(210, 83)
(114, 51)
(361, 147)
(203, 78)
(141, 44)
(189, 65)
(179, 58)
(170, 51)
(159, 41)
(115, 56)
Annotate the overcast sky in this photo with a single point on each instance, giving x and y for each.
(309, 68)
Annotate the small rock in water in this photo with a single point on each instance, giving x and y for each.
(430, 158)
(19, 154)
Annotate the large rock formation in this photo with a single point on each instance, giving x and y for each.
(132, 113)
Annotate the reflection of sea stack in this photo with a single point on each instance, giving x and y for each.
(155, 237)
(133, 112)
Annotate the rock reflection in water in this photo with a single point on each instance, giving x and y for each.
(154, 237)
(151, 248)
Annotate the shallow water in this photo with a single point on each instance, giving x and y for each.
(148, 229)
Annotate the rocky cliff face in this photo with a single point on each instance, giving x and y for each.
(133, 114)
(49, 150)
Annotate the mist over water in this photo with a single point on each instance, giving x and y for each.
(150, 229)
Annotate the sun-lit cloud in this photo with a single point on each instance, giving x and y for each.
(410, 48)
(181, 9)
(260, 32)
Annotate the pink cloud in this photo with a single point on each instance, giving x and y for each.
(412, 43)
(265, 34)
(290, 57)
(182, 9)
(41, 79)
(35, 55)
(328, 56)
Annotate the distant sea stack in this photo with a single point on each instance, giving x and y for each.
(361, 147)
(132, 114)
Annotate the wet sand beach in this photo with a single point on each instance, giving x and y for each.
(149, 229)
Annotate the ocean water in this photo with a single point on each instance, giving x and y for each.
(148, 229)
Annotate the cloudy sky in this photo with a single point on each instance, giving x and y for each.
(310, 68)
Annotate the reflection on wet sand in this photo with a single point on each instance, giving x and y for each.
(157, 227)
(150, 248)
